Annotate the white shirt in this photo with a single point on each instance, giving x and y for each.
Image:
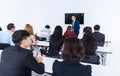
(6, 37)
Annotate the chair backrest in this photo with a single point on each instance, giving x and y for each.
(41, 38)
(94, 59)
(3, 46)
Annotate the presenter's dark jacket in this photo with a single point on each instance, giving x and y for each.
(76, 27)
(66, 68)
(100, 37)
(16, 61)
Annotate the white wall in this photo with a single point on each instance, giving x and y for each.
(41, 12)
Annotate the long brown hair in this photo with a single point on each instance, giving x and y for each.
(29, 28)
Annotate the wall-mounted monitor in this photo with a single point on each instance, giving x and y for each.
(79, 17)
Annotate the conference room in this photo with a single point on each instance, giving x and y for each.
(59, 38)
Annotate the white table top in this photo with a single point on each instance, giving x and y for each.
(104, 49)
(99, 49)
(97, 70)
(43, 43)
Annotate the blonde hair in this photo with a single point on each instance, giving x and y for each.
(29, 28)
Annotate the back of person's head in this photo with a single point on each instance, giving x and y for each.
(69, 28)
(97, 27)
(0, 29)
(89, 39)
(29, 28)
(57, 32)
(47, 26)
(10, 26)
(19, 35)
(73, 49)
(87, 29)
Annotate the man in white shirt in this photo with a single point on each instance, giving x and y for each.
(6, 36)
(46, 32)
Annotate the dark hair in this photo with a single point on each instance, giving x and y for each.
(89, 40)
(57, 34)
(97, 27)
(73, 49)
(0, 29)
(69, 28)
(19, 35)
(47, 26)
(10, 26)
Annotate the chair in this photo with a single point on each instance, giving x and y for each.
(3, 46)
(94, 59)
(41, 38)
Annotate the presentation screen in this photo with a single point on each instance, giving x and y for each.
(79, 17)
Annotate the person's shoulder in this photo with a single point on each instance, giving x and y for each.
(9, 48)
(56, 62)
(102, 34)
(88, 67)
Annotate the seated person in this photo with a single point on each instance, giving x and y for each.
(29, 29)
(89, 41)
(100, 37)
(69, 32)
(56, 41)
(46, 32)
(72, 54)
(19, 61)
(6, 36)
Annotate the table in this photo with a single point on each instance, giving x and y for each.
(97, 70)
(43, 43)
(103, 51)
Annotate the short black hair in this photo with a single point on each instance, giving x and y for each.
(47, 26)
(19, 35)
(97, 27)
(10, 26)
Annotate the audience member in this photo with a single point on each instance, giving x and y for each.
(6, 36)
(72, 54)
(19, 61)
(56, 41)
(0, 29)
(89, 41)
(29, 28)
(69, 32)
(45, 32)
(75, 25)
(100, 37)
